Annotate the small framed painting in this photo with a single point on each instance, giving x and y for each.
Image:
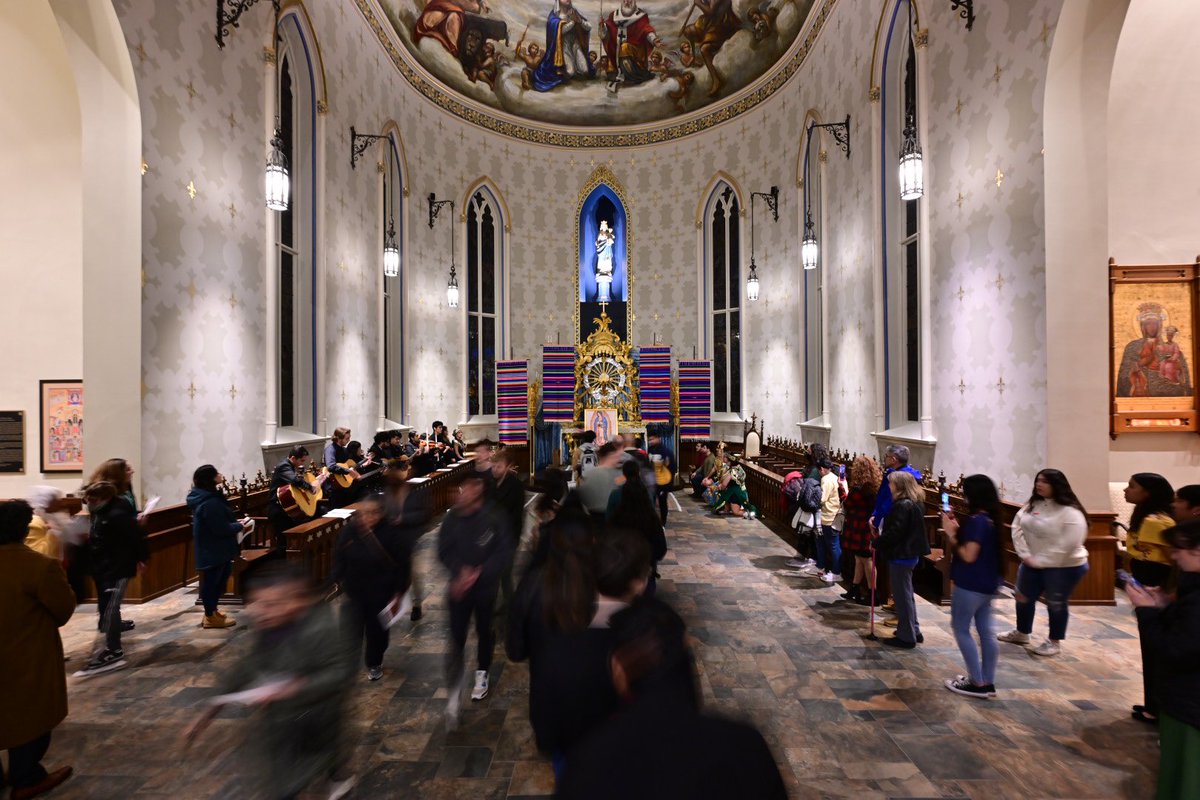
(601, 420)
(61, 418)
(1153, 339)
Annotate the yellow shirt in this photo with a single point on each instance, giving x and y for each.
(1147, 542)
(40, 540)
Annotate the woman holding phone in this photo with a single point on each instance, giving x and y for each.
(976, 571)
(1048, 534)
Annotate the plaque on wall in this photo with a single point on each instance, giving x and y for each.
(12, 442)
(61, 422)
(1154, 347)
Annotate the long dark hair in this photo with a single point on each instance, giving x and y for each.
(1159, 501)
(1061, 491)
(569, 582)
(982, 498)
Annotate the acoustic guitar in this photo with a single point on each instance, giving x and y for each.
(346, 481)
(662, 473)
(299, 503)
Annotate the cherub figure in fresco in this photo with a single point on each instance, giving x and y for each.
(664, 69)
(717, 24)
(762, 21)
(487, 66)
(530, 55)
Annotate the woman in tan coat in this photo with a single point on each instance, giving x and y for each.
(35, 601)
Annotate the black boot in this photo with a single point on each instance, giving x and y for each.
(852, 594)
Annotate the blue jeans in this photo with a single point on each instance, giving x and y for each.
(966, 606)
(1053, 583)
(829, 550)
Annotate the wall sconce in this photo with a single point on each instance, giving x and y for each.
(810, 250)
(277, 184)
(772, 200)
(435, 208)
(965, 9)
(359, 142)
(230, 11)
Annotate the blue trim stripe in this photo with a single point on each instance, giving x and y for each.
(883, 194)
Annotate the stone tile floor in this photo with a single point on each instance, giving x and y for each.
(845, 717)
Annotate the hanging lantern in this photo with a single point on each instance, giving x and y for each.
(391, 252)
(809, 250)
(452, 290)
(912, 168)
(752, 282)
(277, 183)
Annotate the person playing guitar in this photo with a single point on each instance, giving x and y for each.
(289, 473)
(335, 458)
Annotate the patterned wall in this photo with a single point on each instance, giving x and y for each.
(203, 307)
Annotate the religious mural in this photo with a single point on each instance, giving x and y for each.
(597, 62)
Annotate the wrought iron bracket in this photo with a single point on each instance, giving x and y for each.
(840, 131)
(359, 142)
(965, 9)
(435, 207)
(229, 12)
(772, 199)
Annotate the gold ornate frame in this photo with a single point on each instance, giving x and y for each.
(604, 176)
(494, 121)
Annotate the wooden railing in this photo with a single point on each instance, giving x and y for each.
(1097, 588)
(172, 563)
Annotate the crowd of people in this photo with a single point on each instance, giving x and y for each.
(611, 676)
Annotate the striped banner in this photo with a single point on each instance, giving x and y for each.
(512, 401)
(558, 382)
(695, 399)
(654, 380)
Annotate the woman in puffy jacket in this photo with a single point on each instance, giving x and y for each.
(903, 543)
(215, 531)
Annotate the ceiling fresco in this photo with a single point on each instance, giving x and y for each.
(591, 65)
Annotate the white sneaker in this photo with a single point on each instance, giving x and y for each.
(837, 578)
(1046, 648)
(813, 570)
(799, 563)
(339, 789)
(1014, 637)
(829, 577)
(481, 685)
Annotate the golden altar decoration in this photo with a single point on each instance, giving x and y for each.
(606, 375)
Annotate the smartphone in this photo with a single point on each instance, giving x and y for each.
(842, 470)
(946, 502)
(1125, 579)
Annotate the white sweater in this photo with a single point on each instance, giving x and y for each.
(1050, 535)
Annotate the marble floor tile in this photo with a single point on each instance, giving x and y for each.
(844, 716)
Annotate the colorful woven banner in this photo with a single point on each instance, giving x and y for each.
(654, 381)
(558, 382)
(695, 399)
(512, 401)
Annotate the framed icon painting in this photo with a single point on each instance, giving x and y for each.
(61, 420)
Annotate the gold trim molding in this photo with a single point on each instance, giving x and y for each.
(448, 100)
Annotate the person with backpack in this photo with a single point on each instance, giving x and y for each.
(584, 456)
(806, 521)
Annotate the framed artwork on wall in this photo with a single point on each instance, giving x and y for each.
(1152, 324)
(61, 418)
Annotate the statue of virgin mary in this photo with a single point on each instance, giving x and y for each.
(604, 262)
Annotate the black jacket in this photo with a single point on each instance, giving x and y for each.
(373, 567)
(509, 498)
(117, 543)
(661, 748)
(476, 540)
(647, 523)
(1173, 634)
(904, 532)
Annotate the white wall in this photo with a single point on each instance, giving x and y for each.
(1154, 184)
(41, 224)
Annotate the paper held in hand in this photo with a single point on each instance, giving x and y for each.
(396, 610)
(247, 529)
(151, 504)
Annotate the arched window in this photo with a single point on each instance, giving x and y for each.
(903, 230)
(392, 228)
(723, 271)
(295, 239)
(484, 289)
